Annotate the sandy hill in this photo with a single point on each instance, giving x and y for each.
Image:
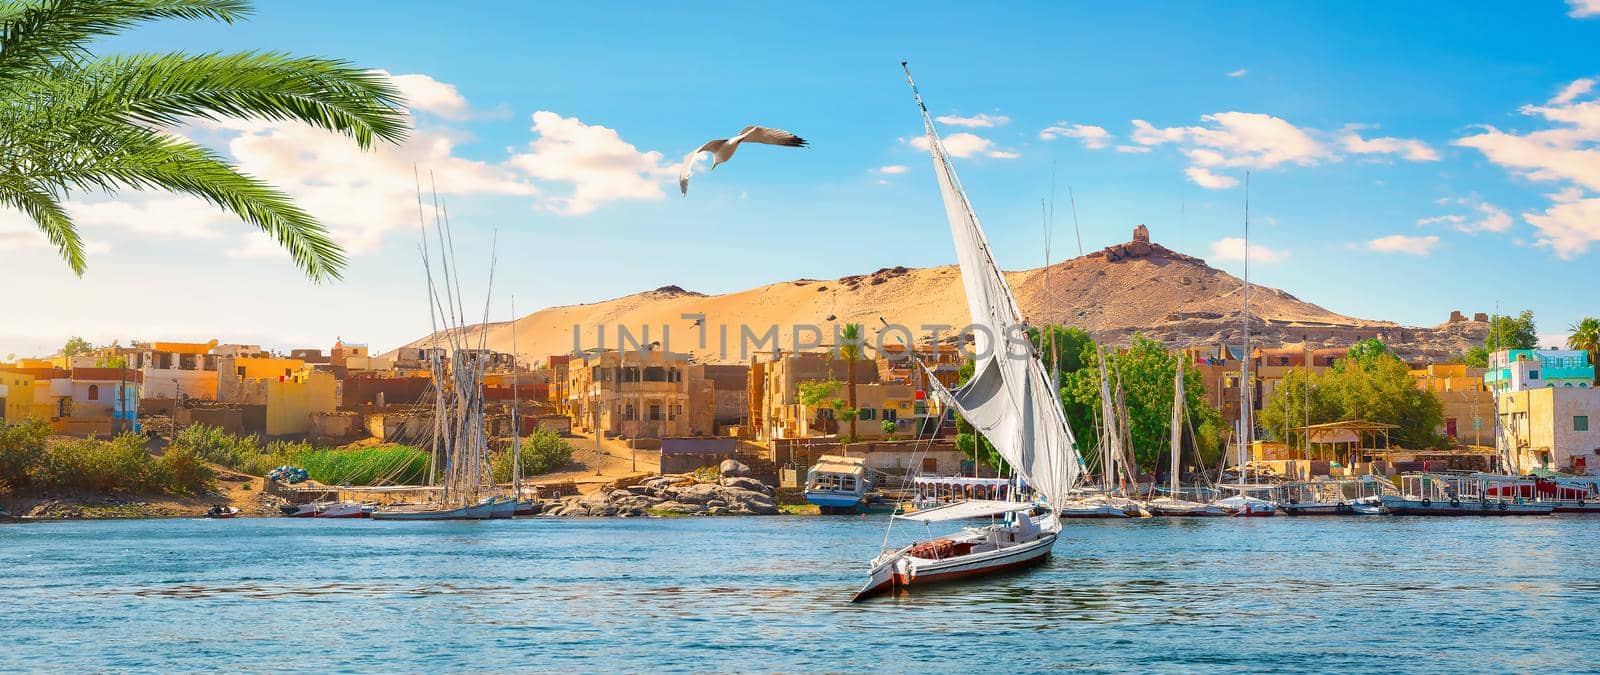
(1138, 286)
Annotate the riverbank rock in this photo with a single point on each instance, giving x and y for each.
(746, 484)
(682, 495)
(733, 467)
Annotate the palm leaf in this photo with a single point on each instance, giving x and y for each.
(36, 34)
(46, 212)
(166, 89)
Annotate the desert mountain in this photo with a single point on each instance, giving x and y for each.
(1135, 287)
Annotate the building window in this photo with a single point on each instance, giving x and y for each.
(1580, 422)
(930, 465)
(94, 392)
(890, 414)
(1533, 374)
(867, 414)
(655, 412)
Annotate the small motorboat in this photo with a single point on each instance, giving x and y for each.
(1168, 507)
(1245, 506)
(1093, 508)
(219, 511)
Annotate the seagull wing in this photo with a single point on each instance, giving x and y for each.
(687, 170)
(771, 136)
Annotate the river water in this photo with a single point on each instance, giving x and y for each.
(737, 594)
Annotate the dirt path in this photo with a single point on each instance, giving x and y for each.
(617, 460)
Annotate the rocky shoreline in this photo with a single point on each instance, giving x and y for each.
(671, 495)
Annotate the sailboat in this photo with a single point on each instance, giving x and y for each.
(1174, 505)
(1243, 504)
(1009, 400)
(460, 444)
(1108, 503)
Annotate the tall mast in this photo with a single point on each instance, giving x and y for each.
(1177, 421)
(1247, 388)
(516, 415)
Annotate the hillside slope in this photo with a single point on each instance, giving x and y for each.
(1112, 293)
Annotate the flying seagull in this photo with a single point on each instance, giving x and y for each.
(722, 149)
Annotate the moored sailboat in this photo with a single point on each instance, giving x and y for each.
(1174, 505)
(1009, 399)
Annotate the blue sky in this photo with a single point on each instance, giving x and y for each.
(1406, 159)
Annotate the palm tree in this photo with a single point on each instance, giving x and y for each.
(71, 121)
(1586, 336)
(850, 350)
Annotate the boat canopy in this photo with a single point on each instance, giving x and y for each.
(977, 508)
(853, 466)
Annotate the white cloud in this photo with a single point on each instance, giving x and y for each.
(893, 169)
(1569, 225)
(963, 144)
(1231, 249)
(1583, 9)
(1399, 243)
(599, 165)
(1576, 88)
(1238, 73)
(978, 120)
(1242, 140)
(1133, 149)
(162, 216)
(1408, 148)
(257, 245)
(1487, 218)
(1204, 178)
(1092, 137)
(1566, 152)
(431, 96)
(19, 233)
(1235, 140)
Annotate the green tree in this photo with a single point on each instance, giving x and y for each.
(73, 121)
(1379, 389)
(1505, 332)
(1586, 336)
(850, 349)
(819, 394)
(543, 451)
(888, 427)
(1145, 370)
(1368, 350)
(76, 345)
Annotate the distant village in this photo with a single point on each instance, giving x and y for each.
(696, 414)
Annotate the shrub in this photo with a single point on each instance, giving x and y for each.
(185, 471)
(543, 451)
(120, 465)
(242, 454)
(22, 448)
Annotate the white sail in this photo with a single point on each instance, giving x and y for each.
(1009, 398)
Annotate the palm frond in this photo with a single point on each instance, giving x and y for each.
(46, 212)
(36, 34)
(122, 156)
(165, 89)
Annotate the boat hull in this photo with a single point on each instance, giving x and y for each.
(458, 513)
(1416, 507)
(1101, 511)
(1191, 510)
(903, 571)
(1318, 509)
(1585, 506)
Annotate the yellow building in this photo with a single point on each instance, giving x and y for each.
(266, 367)
(1468, 403)
(16, 396)
(292, 401)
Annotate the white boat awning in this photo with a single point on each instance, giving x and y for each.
(977, 508)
